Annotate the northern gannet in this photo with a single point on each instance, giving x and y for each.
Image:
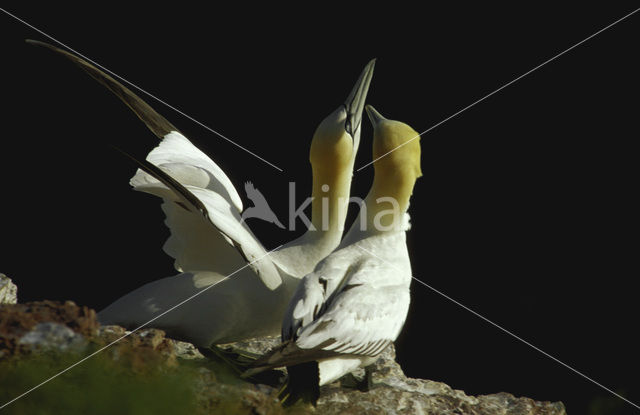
(355, 302)
(208, 238)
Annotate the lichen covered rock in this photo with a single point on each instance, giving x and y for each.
(53, 336)
(17, 320)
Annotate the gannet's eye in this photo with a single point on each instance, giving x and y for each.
(347, 126)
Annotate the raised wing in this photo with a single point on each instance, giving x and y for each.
(195, 204)
(195, 190)
(190, 166)
(193, 243)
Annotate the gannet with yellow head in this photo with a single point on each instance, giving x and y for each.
(209, 240)
(354, 304)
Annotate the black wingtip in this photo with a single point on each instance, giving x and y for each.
(38, 43)
(181, 191)
(154, 121)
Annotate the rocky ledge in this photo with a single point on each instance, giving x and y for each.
(145, 372)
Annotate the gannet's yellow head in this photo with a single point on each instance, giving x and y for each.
(396, 149)
(332, 155)
(396, 161)
(333, 147)
(337, 138)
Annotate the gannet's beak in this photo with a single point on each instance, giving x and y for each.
(374, 116)
(355, 101)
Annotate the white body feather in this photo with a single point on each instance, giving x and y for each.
(236, 308)
(354, 303)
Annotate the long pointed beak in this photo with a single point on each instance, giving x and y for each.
(355, 101)
(374, 116)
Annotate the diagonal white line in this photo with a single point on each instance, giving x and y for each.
(142, 90)
(506, 331)
(502, 87)
(136, 329)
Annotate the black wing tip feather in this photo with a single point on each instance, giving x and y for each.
(37, 42)
(168, 181)
(154, 121)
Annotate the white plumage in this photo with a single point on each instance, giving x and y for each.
(354, 303)
(194, 243)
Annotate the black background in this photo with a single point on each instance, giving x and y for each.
(526, 212)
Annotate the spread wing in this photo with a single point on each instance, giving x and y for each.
(193, 243)
(212, 219)
(202, 206)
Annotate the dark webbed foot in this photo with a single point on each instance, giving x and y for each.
(238, 361)
(364, 384)
(302, 386)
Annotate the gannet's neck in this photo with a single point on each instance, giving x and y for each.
(332, 158)
(384, 207)
(388, 199)
(396, 155)
(330, 193)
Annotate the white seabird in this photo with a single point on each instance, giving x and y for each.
(354, 304)
(209, 240)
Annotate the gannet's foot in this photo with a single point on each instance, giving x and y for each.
(364, 385)
(239, 361)
(301, 387)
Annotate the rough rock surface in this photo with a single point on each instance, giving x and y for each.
(258, 345)
(8, 290)
(138, 350)
(394, 393)
(17, 320)
(53, 336)
(37, 326)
